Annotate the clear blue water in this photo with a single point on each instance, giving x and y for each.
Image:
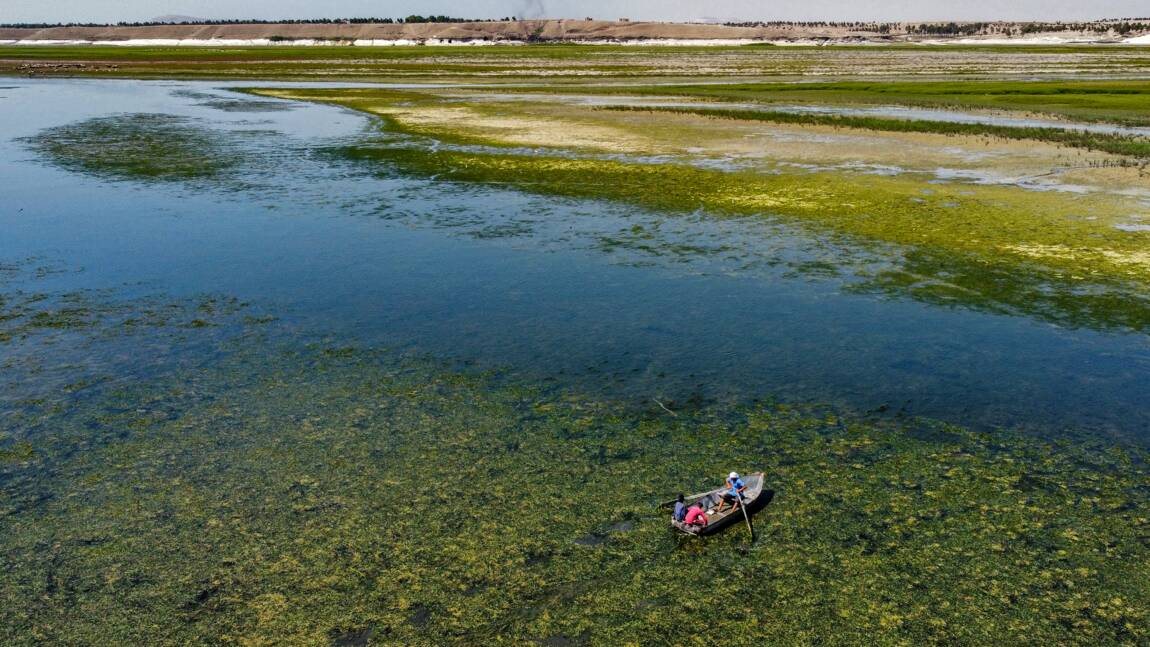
(559, 291)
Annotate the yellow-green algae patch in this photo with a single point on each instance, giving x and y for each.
(490, 117)
(318, 495)
(1065, 254)
(419, 113)
(996, 223)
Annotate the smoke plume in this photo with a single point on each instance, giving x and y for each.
(529, 9)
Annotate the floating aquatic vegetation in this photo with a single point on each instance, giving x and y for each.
(38, 315)
(135, 146)
(253, 492)
(57, 347)
(1018, 289)
(970, 234)
(228, 103)
(312, 496)
(990, 220)
(318, 493)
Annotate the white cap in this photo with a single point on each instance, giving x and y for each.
(733, 475)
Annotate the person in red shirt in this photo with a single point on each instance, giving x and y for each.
(695, 516)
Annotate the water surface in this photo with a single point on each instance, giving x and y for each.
(601, 297)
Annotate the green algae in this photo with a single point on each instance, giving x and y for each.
(956, 280)
(17, 452)
(992, 248)
(998, 220)
(46, 316)
(274, 490)
(23, 315)
(348, 492)
(1001, 248)
(60, 347)
(134, 147)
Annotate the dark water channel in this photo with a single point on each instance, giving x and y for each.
(589, 295)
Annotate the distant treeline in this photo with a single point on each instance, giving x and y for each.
(1121, 26)
(414, 18)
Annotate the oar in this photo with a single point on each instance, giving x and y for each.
(743, 507)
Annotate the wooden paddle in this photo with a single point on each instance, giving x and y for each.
(747, 517)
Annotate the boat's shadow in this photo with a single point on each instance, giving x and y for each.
(763, 501)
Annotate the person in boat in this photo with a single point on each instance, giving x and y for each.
(734, 493)
(695, 516)
(680, 508)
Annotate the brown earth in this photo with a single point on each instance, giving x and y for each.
(544, 29)
(573, 30)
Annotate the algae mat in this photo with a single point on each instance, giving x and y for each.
(312, 494)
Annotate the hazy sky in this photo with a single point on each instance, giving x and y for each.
(133, 10)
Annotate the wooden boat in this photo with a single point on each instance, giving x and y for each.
(753, 497)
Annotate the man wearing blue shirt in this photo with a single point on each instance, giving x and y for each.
(734, 493)
(680, 508)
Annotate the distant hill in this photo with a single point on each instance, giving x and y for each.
(443, 29)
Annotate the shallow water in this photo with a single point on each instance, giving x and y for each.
(909, 113)
(582, 294)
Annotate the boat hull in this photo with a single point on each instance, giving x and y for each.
(755, 498)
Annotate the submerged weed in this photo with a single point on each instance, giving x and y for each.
(337, 495)
(959, 243)
(135, 146)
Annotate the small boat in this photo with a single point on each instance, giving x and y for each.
(753, 497)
